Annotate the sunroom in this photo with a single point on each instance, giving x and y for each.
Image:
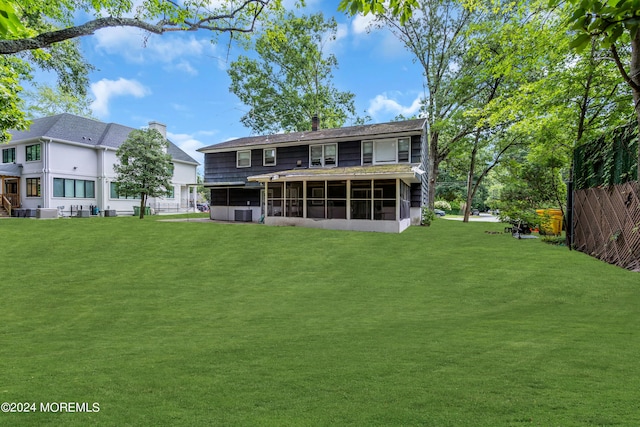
(362, 198)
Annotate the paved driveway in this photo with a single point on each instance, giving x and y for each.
(483, 217)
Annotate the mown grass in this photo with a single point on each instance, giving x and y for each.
(189, 323)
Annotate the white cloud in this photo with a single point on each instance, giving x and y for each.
(183, 66)
(333, 44)
(362, 24)
(105, 89)
(310, 5)
(138, 46)
(384, 104)
(179, 107)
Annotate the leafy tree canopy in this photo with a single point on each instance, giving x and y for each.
(24, 21)
(43, 34)
(145, 168)
(46, 100)
(289, 80)
(400, 8)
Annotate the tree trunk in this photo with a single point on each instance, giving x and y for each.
(143, 202)
(434, 163)
(470, 188)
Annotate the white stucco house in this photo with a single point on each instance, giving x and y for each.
(66, 162)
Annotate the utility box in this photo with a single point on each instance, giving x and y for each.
(84, 214)
(243, 215)
(46, 213)
(110, 212)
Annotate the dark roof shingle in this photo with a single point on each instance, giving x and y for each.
(81, 130)
(361, 131)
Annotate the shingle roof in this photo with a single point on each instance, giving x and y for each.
(81, 130)
(394, 170)
(351, 132)
(10, 169)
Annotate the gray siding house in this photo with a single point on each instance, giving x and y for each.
(367, 178)
(66, 162)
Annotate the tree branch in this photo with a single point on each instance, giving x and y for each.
(44, 40)
(623, 72)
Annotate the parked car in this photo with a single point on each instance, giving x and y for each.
(439, 212)
(475, 212)
(203, 207)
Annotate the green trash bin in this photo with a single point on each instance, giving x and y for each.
(136, 210)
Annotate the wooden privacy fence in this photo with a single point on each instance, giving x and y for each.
(606, 223)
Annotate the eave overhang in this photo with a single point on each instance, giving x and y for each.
(409, 173)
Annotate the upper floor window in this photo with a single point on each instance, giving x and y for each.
(33, 152)
(269, 157)
(323, 155)
(404, 150)
(243, 159)
(386, 151)
(9, 155)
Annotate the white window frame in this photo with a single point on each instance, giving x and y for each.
(323, 158)
(9, 150)
(238, 165)
(264, 156)
(376, 151)
(26, 151)
(375, 145)
(408, 150)
(362, 152)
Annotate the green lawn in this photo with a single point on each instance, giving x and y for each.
(192, 323)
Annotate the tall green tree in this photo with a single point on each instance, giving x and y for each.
(289, 81)
(43, 34)
(46, 100)
(613, 25)
(436, 37)
(145, 168)
(154, 16)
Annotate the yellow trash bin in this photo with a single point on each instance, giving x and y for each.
(551, 221)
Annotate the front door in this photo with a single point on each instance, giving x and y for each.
(11, 192)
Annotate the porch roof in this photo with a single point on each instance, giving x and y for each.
(10, 169)
(409, 173)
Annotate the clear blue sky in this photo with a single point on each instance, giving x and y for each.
(181, 79)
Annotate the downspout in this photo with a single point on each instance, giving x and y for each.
(47, 183)
(102, 177)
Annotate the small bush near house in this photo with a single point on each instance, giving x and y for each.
(442, 204)
(427, 216)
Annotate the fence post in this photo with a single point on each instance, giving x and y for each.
(569, 214)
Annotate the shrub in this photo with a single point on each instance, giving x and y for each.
(427, 216)
(442, 204)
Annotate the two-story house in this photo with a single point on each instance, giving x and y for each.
(66, 162)
(367, 178)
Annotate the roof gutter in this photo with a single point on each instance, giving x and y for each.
(312, 140)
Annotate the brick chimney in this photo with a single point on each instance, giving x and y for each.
(160, 127)
(314, 122)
